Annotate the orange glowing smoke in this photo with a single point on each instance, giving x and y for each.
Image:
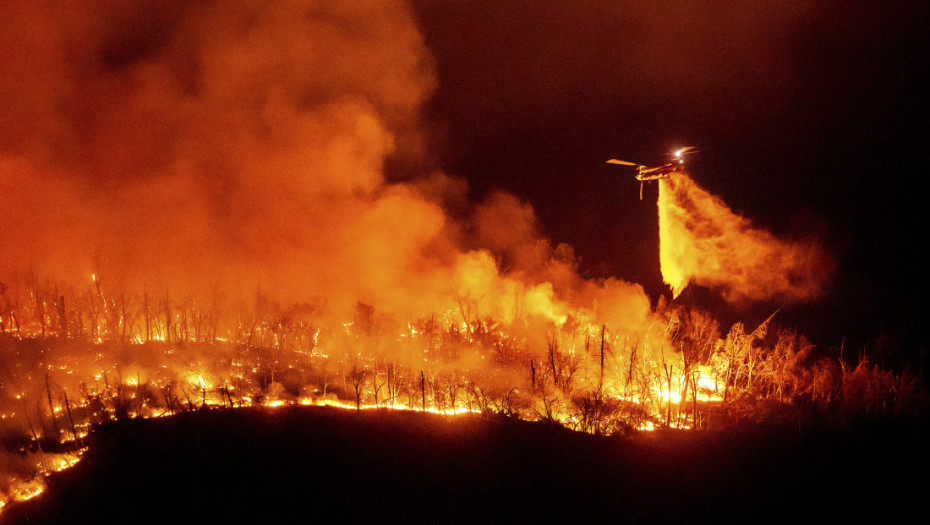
(704, 242)
(213, 149)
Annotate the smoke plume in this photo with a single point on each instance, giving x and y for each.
(206, 146)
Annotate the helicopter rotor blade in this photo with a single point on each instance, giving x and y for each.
(621, 162)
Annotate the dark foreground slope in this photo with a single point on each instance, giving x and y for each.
(306, 464)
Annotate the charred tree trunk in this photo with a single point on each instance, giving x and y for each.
(62, 318)
(32, 429)
(190, 404)
(51, 407)
(392, 390)
(533, 374)
(629, 376)
(423, 389)
(148, 317)
(71, 420)
(40, 413)
(167, 318)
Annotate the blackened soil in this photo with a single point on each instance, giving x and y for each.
(307, 464)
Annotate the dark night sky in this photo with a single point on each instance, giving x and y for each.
(811, 120)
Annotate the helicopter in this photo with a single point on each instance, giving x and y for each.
(645, 173)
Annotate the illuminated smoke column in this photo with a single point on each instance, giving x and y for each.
(704, 242)
(185, 143)
(214, 148)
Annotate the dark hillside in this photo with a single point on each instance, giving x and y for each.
(306, 464)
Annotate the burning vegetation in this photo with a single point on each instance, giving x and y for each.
(92, 355)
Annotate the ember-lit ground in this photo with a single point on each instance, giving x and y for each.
(302, 464)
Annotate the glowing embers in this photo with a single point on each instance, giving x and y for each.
(23, 490)
(20, 487)
(337, 403)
